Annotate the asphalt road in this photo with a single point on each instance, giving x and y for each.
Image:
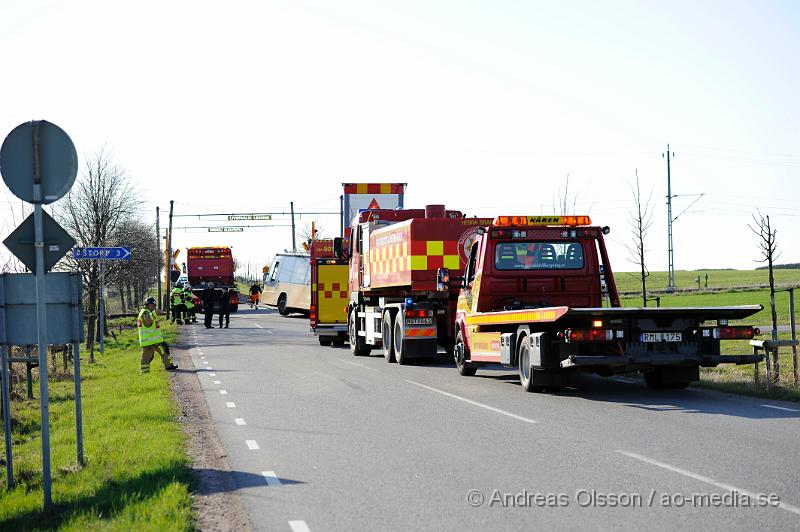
(322, 440)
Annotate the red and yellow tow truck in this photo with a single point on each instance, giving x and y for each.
(533, 298)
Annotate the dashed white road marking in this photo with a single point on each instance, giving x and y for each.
(230, 405)
(223, 392)
(205, 361)
(781, 408)
(299, 526)
(271, 478)
(217, 382)
(252, 445)
(199, 352)
(212, 374)
(476, 403)
(240, 421)
(202, 358)
(257, 325)
(355, 364)
(702, 478)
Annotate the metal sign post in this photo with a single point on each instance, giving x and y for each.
(102, 325)
(7, 418)
(39, 163)
(102, 254)
(77, 333)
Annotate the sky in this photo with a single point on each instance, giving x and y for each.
(490, 107)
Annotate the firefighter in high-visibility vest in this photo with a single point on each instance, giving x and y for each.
(188, 302)
(150, 338)
(177, 305)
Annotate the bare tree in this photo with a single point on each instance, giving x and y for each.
(641, 220)
(769, 251)
(566, 203)
(16, 212)
(99, 203)
(305, 233)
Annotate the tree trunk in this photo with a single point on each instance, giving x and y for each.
(132, 301)
(644, 277)
(121, 292)
(775, 361)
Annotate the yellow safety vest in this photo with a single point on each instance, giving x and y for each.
(187, 299)
(149, 335)
(176, 296)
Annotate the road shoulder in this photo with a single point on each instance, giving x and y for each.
(216, 503)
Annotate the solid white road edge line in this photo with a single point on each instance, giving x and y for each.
(271, 478)
(702, 478)
(240, 421)
(252, 445)
(299, 526)
(354, 364)
(476, 403)
(781, 408)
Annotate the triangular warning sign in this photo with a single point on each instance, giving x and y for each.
(374, 204)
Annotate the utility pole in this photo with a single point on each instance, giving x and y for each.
(169, 256)
(670, 251)
(294, 243)
(158, 262)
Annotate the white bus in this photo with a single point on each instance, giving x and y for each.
(287, 284)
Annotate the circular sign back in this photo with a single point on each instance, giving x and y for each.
(58, 161)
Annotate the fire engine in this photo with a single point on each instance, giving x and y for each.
(329, 295)
(400, 265)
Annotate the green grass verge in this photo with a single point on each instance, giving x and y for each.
(631, 282)
(724, 299)
(137, 473)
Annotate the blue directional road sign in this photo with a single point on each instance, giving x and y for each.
(118, 253)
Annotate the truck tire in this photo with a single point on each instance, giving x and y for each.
(357, 344)
(386, 333)
(525, 371)
(459, 351)
(397, 340)
(282, 310)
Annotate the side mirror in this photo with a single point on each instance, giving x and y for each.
(337, 247)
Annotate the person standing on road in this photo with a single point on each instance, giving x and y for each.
(177, 305)
(209, 297)
(255, 295)
(188, 302)
(225, 307)
(150, 338)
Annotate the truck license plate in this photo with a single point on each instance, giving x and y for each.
(419, 321)
(661, 337)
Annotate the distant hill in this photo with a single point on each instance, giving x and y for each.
(792, 266)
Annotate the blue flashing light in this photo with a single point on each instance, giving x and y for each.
(409, 301)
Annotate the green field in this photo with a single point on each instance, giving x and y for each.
(631, 282)
(721, 299)
(136, 475)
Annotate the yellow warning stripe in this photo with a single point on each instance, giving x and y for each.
(512, 317)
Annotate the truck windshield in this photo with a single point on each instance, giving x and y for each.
(538, 256)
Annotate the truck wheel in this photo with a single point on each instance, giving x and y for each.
(459, 354)
(386, 333)
(357, 345)
(282, 310)
(525, 371)
(399, 348)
